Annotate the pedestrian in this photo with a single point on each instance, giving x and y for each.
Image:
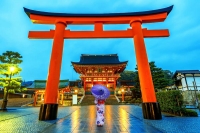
(100, 107)
(101, 93)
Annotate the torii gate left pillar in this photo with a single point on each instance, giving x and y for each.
(150, 106)
(49, 109)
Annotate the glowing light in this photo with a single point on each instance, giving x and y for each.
(12, 68)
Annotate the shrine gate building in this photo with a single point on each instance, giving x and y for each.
(99, 69)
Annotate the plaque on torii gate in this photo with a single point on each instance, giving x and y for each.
(150, 106)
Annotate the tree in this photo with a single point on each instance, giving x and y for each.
(131, 75)
(9, 74)
(161, 78)
(168, 75)
(158, 76)
(10, 57)
(127, 75)
(136, 80)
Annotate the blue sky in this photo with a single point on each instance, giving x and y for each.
(180, 51)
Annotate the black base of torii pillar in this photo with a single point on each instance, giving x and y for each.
(151, 111)
(48, 112)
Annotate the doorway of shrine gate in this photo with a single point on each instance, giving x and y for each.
(88, 87)
(150, 106)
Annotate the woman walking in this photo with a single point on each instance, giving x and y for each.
(101, 93)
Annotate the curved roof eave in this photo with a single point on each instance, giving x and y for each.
(78, 63)
(163, 10)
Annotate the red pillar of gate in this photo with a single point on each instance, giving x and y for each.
(146, 83)
(48, 110)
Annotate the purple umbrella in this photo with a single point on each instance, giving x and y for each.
(100, 92)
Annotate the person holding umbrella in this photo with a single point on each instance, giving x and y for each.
(101, 93)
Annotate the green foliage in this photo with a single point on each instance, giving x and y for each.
(172, 102)
(5, 70)
(161, 78)
(138, 100)
(10, 80)
(136, 93)
(188, 112)
(127, 98)
(127, 75)
(168, 75)
(158, 76)
(136, 80)
(11, 57)
(133, 100)
(131, 75)
(198, 95)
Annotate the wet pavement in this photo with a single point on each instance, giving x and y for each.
(81, 119)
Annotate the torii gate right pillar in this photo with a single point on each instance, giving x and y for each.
(150, 106)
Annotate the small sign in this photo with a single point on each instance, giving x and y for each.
(74, 99)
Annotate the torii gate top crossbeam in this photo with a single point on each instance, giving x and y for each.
(40, 17)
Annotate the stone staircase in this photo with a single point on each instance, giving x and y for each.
(89, 100)
(112, 100)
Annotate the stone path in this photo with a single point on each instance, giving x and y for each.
(81, 119)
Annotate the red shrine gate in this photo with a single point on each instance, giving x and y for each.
(151, 109)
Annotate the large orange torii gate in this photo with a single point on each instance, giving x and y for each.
(150, 106)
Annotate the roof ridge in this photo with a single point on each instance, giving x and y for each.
(99, 55)
(87, 59)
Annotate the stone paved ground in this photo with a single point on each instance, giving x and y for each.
(168, 124)
(81, 119)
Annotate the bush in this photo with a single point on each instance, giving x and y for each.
(138, 100)
(128, 98)
(188, 112)
(170, 101)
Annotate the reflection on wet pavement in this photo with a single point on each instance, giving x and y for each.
(117, 120)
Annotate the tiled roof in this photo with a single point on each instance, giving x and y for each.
(26, 83)
(186, 72)
(42, 84)
(99, 59)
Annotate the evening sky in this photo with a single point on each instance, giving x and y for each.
(180, 51)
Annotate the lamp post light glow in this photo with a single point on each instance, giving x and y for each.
(12, 69)
(76, 91)
(5, 98)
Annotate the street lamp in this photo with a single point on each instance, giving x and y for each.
(122, 95)
(5, 98)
